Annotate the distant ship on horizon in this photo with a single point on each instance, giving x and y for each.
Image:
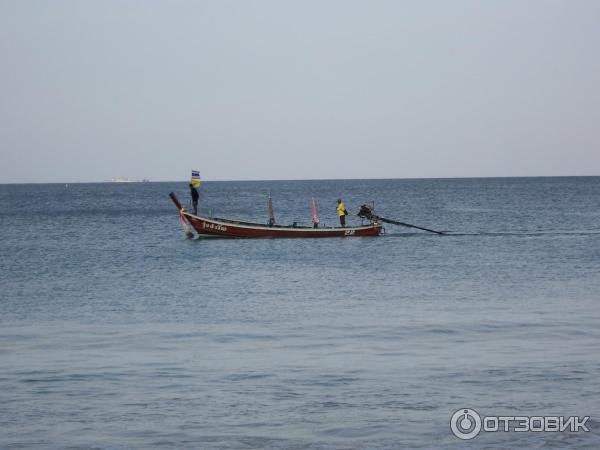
(127, 180)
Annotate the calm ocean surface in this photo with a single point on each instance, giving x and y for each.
(118, 333)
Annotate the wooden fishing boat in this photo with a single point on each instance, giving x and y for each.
(227, 228)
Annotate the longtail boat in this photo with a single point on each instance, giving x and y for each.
(227, 228)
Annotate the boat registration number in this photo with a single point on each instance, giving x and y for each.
(213, 226)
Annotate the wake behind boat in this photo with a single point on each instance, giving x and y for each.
(228, 228)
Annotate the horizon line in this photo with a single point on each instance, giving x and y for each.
(297, 179)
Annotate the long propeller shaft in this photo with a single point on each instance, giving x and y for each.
(396, 222)
(367, 213)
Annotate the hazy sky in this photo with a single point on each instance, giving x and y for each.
(91, 90)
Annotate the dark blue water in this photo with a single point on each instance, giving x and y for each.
(116, 332)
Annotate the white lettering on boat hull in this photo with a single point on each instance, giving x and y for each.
(214, 226)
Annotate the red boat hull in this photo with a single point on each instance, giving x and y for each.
(224, 228)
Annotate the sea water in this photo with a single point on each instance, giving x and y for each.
(117, 332)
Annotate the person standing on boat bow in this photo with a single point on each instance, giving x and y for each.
(195, 197)
(342, 213)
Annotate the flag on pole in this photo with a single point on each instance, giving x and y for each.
(271, 213)
(315, 212)
(195, 178)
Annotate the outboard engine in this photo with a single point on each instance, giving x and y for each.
(366, 212)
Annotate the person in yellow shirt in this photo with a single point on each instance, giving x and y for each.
(342, 213)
